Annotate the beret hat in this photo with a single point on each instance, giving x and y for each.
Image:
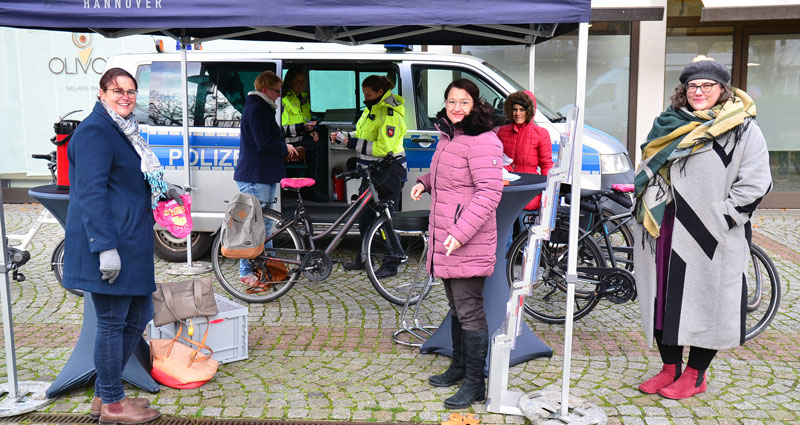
(705, 68)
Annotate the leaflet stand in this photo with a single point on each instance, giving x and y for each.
(499, 399)
(538, 406)
(25, 396)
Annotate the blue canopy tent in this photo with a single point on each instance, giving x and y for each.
(350, 22)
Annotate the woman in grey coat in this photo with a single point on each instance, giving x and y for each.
(704, 169)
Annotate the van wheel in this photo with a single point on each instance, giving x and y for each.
(173, 249)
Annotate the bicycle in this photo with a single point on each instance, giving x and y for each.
(547, 303)
(291, 247)
(19, 254)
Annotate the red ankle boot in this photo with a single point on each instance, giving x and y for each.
(691, 382)
(669, 374)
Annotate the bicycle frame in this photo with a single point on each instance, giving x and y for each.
(368, 197)
(602, 224)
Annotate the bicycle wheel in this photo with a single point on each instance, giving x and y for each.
(286, 250)
(548, 301)
(410, 260)
(57, 265)
(763, 292)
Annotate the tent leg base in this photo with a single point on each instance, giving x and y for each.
(544, 407)
(31, 397)
(184, 269)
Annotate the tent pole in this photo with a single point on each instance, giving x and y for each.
(572, 257)
(186, 159)
(531, 66)
(189, 267)
(25, 396)
(8, 325)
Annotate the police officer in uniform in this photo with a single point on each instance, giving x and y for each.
(300, 130)
(380, 130)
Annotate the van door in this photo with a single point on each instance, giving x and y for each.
(429, 81)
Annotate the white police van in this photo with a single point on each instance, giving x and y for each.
(218, 83)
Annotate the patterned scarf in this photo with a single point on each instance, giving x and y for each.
(151, 167)
(676, 134)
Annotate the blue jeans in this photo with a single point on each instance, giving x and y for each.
(121, 319)
(265, 192)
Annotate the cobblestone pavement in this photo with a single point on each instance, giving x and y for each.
(324, 352)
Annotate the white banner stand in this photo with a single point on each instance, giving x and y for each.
(19, 397)
(547, 407)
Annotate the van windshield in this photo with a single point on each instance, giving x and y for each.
(553, 116)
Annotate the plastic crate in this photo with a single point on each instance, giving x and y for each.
(227, 338)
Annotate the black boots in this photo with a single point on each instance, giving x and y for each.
(476, 345)
(457, 370)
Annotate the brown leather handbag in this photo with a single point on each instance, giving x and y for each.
(187, 299)
(179, 365)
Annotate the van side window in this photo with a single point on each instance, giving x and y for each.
(332, 89)
(430, 83)
(230, 92)
(216, 92)
(143, 98)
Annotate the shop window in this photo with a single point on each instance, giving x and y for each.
(773, 81)
(607, 78)
(684, 44)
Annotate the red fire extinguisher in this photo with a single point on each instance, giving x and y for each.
(63, 129)
(338, 185)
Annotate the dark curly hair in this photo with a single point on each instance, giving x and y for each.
(679, 100)
(482, 117)
(525, 100)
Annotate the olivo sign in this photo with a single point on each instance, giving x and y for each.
(83, 63)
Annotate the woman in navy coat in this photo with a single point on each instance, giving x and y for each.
(115, 182)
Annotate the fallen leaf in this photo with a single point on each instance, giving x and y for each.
(458, 419)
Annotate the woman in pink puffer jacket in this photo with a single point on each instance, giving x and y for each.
(465, 183)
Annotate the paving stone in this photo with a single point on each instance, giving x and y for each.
(324, 352)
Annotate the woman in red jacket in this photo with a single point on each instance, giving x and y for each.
(527, 144)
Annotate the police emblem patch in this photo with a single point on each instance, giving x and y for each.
(390, 131)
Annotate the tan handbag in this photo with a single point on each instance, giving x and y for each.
(187, 299)
(177, 365)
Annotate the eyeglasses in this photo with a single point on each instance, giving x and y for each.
(452, 103)
(118, 93)
(705, 87)
(275, 90)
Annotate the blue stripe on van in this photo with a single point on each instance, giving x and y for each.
(591, 159)
(221, 152)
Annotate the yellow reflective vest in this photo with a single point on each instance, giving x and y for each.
(296, 110)
(381, 129)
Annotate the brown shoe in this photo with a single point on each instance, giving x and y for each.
(97, 401)
(126, 412)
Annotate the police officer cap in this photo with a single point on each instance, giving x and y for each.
(705, 68)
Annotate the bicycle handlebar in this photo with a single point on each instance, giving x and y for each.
(48, 157)
(359, 172)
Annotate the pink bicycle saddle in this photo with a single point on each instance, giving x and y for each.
(296, 183)
(620, 187)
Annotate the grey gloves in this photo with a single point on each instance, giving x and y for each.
(110, 265)
(174, 192)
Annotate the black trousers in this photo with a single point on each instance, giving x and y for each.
(465, 298)
(389, 184)
(699, 358)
